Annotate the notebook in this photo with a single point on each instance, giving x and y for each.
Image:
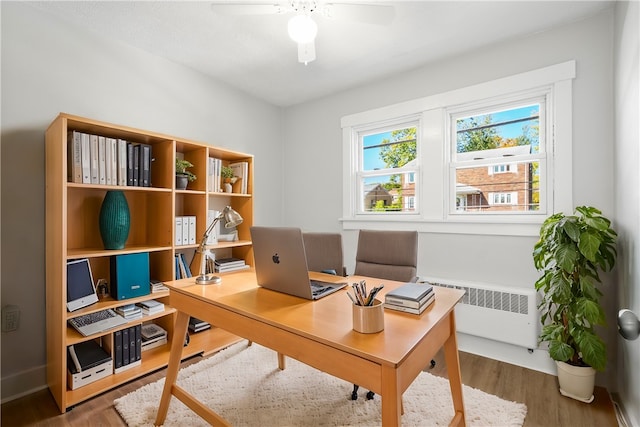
(281, 263)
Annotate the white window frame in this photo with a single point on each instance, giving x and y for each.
(435, 213)
(361, 174)
(541, 96)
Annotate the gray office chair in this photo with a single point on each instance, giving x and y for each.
(391, 255)
(324, 253)
(386, 254)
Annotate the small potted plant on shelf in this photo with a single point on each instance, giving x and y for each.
(571, 252)
(227, 177)
(183, 176)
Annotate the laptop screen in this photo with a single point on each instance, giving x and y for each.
(80, 289)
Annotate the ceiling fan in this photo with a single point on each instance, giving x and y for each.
(301, 27)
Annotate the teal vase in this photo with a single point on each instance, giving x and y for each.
(114, 220)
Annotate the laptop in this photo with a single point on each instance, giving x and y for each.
(81, 292)
(281, 263)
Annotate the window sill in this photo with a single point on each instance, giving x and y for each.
(527, 227)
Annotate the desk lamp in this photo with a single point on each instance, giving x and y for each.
(232, 218)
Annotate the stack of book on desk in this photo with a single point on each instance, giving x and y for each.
(197, 325)
(230, 264)
(151, 307)
(129, 311)
(410, 298)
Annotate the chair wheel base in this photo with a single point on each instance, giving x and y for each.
(354, 393)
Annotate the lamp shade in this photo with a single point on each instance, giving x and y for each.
(302, 29)
(231, 218)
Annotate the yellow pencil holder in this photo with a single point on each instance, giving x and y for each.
(368, 319)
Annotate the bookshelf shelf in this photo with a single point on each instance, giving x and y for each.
(72, 232)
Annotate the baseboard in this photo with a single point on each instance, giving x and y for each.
(624, 418)
(23, 383)
(538, 360)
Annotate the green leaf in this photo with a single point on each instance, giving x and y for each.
(589, 245)
(560, 351)
(592, 350)
(559, 288)
(599, 223)
(572, 229)
(588, 287)
(566, 257)
(591, 311)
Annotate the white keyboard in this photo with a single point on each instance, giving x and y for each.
(100, 321)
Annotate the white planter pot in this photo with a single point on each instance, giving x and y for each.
(576, 382)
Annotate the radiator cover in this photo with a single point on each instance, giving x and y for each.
(500, 313)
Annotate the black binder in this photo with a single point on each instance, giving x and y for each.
(130, 164)
(117, 337)
(132, 344)
(138, 342)
(145, 165)
(125, 346)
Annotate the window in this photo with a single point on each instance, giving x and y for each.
(388, 164)
(487, 135)
(493, 158)
(496, 169)
(503, 198)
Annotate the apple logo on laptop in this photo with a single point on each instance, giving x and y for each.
(276, 258)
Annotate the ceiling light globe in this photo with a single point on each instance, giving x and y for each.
(302, 29)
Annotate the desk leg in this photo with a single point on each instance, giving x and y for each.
(177, 343)
(391, 397)
(455, 378)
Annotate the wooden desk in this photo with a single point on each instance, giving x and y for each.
(319, 334)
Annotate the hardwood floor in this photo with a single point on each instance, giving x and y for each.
(539, 391)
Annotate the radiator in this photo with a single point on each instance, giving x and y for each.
(503, 314)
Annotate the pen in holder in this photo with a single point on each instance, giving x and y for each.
(368, 312)
(368, 319)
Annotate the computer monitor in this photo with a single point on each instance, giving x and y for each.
(81, 291)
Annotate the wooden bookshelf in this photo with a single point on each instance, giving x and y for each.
(72, 232)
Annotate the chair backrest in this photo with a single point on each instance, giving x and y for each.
(391, 255)
(324, 252)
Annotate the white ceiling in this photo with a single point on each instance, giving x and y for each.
(255, 54)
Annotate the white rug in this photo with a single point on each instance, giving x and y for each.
(244, 386)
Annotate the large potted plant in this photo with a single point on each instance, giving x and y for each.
(183, 176)
(572, 252)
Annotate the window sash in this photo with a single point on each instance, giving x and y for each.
(372, 200)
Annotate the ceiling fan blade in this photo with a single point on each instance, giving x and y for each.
(367, 13)
(236, 8)
(306, 52)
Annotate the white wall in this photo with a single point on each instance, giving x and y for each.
(50, 66)
(627, 182)
(313, 150)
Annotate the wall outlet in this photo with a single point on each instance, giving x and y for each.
(10, 318)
